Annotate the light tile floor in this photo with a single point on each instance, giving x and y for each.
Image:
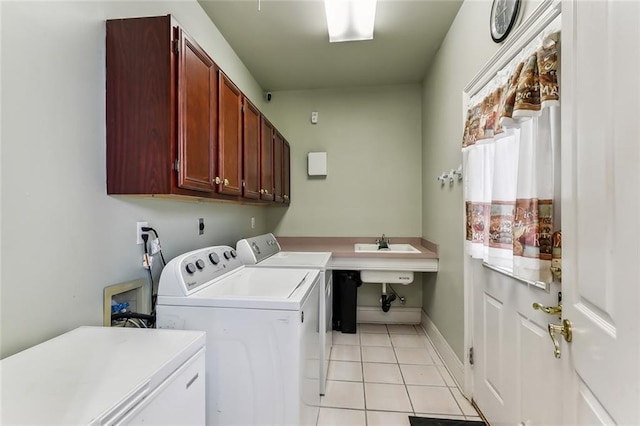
(383, 374)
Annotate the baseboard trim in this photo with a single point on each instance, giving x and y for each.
(396, 315)
(449, 357)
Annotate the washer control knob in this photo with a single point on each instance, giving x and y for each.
(200, 264)
(227, 255)
(214, 258)
(234, 254)
(191, 268)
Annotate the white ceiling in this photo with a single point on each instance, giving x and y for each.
(285, 44)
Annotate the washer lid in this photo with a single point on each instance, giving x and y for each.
(253, 288)
(318, 260)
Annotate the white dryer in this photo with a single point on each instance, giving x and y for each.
(264, 251)
(262, 335)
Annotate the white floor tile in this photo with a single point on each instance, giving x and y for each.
(401, 329)
(446, 376)
(387, 418)
(385, 397)
(345, 338)
(413, 356)
(382, 373)
(343, 395)
(345, 370)
(433, 400)
(372, 339)
(421, 375)
(372, 328)
(345, 353)
(341, 417)
(378, 354)
(467, 408)
(408, 341)
(385, 373)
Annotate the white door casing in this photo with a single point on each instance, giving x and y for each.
(601, 205)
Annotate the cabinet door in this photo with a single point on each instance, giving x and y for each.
(286, 172)
(197, 116)
(251, 150)
(278, 149)
(266, 160)
(230, 137)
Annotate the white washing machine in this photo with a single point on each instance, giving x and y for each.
(264, 251)
(262, 335)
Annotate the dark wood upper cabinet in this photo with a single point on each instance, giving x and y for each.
(278, 150)
(160, 109)
(177, 125)
(230, 137)
(266, 160)
(286, 172)
(197, 116)
(250, 150)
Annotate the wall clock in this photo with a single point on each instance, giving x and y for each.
(503, 18)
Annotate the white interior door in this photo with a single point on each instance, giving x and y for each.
(516, 378)
(601, 205)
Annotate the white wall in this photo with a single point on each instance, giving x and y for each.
(63, 238)
(372, 136)
(465, 50)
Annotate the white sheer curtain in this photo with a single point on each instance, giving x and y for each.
(511, 159)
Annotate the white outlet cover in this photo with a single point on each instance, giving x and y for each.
(139, 232)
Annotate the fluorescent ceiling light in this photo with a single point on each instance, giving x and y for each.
(350, 20)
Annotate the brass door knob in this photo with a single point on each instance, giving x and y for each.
(226, 182)
(286, 197)
(262, 191)
(217, 180)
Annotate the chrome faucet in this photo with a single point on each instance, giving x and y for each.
(383, 242)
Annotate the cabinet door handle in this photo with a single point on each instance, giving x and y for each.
(217, 180)
(226, 181)
(286, 197)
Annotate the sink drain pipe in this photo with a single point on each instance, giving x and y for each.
(386, 300)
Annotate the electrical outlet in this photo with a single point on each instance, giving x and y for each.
(201, 226)
(139, 226)
(253, 223)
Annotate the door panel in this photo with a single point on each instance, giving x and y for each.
(540, 400)
(278, 148)
(251, 150)
(493, 354)
(266, 160)
(286, 172)
(230, 139)
(600, 160)
(197, 116)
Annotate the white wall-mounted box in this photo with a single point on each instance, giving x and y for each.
(317, 164)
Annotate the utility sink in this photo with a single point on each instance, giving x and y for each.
(386, 276)
(373, 248)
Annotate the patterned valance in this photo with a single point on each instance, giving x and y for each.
(531, 86)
